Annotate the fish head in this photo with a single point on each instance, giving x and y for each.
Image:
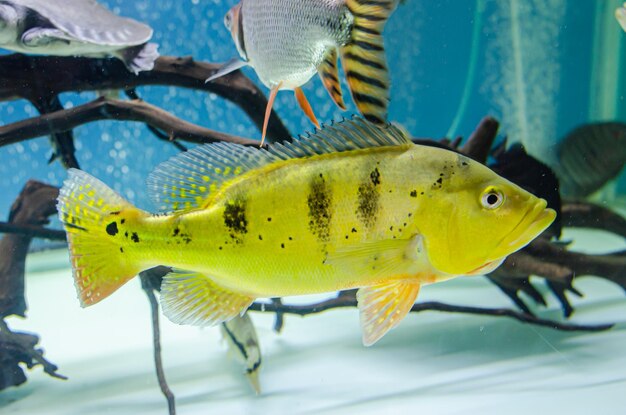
(9, 20)
(481, 220)
(234, 23)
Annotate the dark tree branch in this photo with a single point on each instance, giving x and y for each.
(343, 301)
(149, 285)
(581, 214)
(31, 76)
(62, 141)
(113, 109)
(32, 231)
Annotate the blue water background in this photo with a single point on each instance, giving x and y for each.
(428, 49)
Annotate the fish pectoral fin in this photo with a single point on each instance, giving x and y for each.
(305, 106)
(363, 58)
(195, 299)
(383, 306)
(330, 78)
(230, 66)
(39, 36)
(268, 110)
(376, 259)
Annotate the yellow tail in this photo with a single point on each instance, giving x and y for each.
(364, 58)
(90, 212)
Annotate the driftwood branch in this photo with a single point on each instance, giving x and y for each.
(28, 77)
(114, 109)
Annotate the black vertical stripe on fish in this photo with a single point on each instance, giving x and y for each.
(364, 61)
(319, 202)
(368, 195)
(367, 79)
(328, 74)
(235, 219)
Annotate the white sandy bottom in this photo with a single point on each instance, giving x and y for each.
(433, 363)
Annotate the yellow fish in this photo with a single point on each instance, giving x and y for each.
(356, 205)
(288, 41)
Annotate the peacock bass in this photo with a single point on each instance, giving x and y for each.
(288, 41)
(356, 205)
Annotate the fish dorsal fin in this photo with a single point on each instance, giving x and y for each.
(347, 135)
(186, 181)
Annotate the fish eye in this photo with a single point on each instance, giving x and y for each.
(492, 198)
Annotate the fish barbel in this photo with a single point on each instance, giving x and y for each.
(356, 205)
(288, 41)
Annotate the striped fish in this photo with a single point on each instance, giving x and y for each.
(353, 206)
(288, 41)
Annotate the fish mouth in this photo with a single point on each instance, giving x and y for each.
(532, 224)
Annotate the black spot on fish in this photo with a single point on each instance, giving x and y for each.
(269, 219)
(121, 249)
(353, 230)
(260, 238)
(375, 177)
(126, 234)
(176, 232)
(220, 248)
(112, 228)
(134, 237)
(235, 219)
(282, 246)
(117, 212)
(290, 238)
(319, 203)
(414, 193)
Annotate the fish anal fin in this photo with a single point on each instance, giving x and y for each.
(195, 299)
(329, 75)
(364, 60)
(305, 106)
(383, 306)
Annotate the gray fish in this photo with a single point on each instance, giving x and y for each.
(288, 41)
(589, 157)
(75, 28)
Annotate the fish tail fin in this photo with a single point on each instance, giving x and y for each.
(139, 58)
(363, 57)
(91, 213)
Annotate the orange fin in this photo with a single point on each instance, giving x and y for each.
(268, 110)
(383, 306)
(306, 107)
(328, 74)
(195, 299)
(363, 58)
(90, 213)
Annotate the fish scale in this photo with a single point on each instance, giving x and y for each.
(355, 205)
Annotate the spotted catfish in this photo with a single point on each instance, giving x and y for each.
(288, 41)
(356, 205)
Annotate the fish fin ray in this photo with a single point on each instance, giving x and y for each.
(44, 36)
(228, 67)
(376, 259)
(383, 306)
(187, 181)
(347, 135)
(86, 206)
(268, 110)
(363, 58)
(306, 106)
(195, 299)
(330, 79)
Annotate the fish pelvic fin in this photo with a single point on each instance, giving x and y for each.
(305, 106)
(139, 58)
(364, 60)
(383, 306)
(328, 74)
(195, 299)
(91, 213)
